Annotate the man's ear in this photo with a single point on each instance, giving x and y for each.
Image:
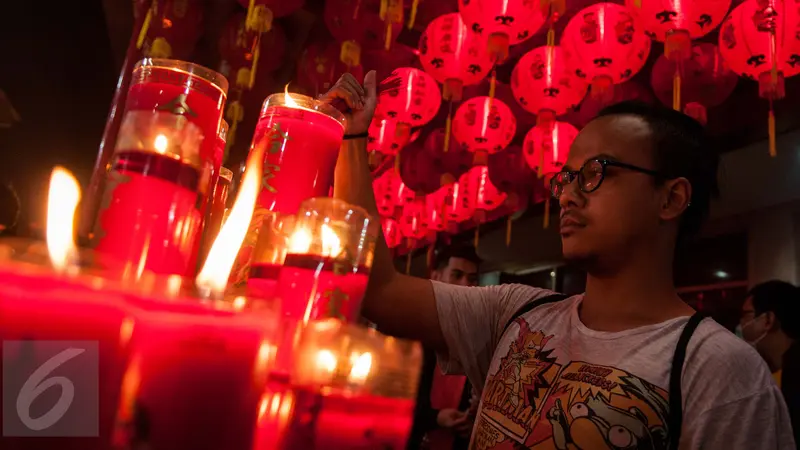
(676, 198)
(771, 321)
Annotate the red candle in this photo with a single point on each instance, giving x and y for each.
(302, 138)
(269, 254)
(150, 214)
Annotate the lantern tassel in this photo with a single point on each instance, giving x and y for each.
(151, 11)
(637, 3)
(397, 162)
(355, 10)
(256, 55)
(492, 84)
(408, 262)
(546, 221)
(412, 16)
(448, 124)
(477, 239)
(676, 89)
(429, 255)
(388, 43)
(551, 36)
(540, 169)
(508, 231)
(773, 149)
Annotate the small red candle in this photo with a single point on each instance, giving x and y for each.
(269, 254)
(301, 137)
(350, 388)
(150, 212)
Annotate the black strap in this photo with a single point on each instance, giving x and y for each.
(528, 307)
(675, 419)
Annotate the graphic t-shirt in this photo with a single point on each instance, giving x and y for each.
(550, 382)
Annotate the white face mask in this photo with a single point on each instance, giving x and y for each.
(740, 331)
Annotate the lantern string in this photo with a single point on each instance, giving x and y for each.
(492, 84)
(256, 55)
(773, 54)
(546, 220)
(412, 17)
(477, 239)
(408, 260)
(448, 124)
(676, 87)
(773, 151)
(508, 230)
(151, 11)
(397, 161)
(388, 44)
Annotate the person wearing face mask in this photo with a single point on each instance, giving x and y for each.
(770, 322)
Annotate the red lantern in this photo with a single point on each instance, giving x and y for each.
(453, 55)
(677, 22)
(509, 171)
(706, 80)
(460, 200)
(319, 68)
(419, 171)
(487, 196)
(502, 22)
(412, 221)
(454, 162)
(391, 194)
(383, 137)
(435, 206)
(760, 41)
(543, 84)
(260, 13)
(172, 30)
(546, 148)
(357, 25)
(413, 103)
(391, 232)
(236, 51)
(484, 126)
(604, 44)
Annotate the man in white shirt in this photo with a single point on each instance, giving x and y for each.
(627, 365)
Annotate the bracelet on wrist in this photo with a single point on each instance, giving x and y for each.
(356, 136)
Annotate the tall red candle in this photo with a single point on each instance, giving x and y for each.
(302, 137)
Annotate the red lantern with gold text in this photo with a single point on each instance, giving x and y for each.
(484, 126)
(319, 68)
(413, 103)
(546, 151)
(391, 232)
(676, 23)
(357, 25)
(760, 41)
(460, 200)
(604, 44)
(544, 85)
(260, 13)
(454, 162)
(383, 137)
(502, 23)
(487, 196)
(435, 207)
(171, 29)
(412, 221)
(706, 80)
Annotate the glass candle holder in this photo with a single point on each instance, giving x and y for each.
(302, 138)
(350, 387)
(216, 213)
(150, 211)
(269, 254)
(327, 265)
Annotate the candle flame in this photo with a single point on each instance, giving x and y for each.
(300, 242)
(288, 98)
(63, 198)
(326, 361)
(331, 244)
(362, 365)
(161, 144)
(217, 268)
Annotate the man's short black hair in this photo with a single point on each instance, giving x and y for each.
(782, 299)
(462, 251)
(682, 148)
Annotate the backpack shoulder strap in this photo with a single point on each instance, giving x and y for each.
(552, 298)
(675, 419)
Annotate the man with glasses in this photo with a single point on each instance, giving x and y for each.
(625, 365)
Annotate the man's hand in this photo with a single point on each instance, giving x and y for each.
(361, 100)
(451, 419)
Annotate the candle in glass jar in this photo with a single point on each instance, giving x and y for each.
(216, 214)
(269, 254)
(302, 137)
(150, 213)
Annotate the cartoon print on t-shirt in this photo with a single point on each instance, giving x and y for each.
(532, 402)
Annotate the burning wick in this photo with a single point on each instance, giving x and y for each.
(63, 198)
(213, 278)
(288, 98)
(362, 365)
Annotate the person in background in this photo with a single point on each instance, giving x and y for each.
(627, 364)
(770, 322)
(441, 417)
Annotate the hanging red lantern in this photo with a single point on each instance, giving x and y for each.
(454, 162)
(487, 196)
(383, 136)
(453, 55)
(391, 194)
(435, 206)
(509, 171)
(419, 170)
(171, 29)
(260, 13)
(357, 26)
(546, 148)
(760, 41)
(544, 85)
(412, 221)
(319, 67)
(460, 200)
(484, 126)
(706, 80)
(238, 53)
(391, 232)
(502, 23)
(605, 45)
(412, 104)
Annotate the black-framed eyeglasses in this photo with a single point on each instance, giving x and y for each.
(591, 175)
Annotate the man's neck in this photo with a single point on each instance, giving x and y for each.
(775, 350)
(639, 292)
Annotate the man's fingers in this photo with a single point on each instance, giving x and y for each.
(353, 82)
(344, 93)
(371, 85)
